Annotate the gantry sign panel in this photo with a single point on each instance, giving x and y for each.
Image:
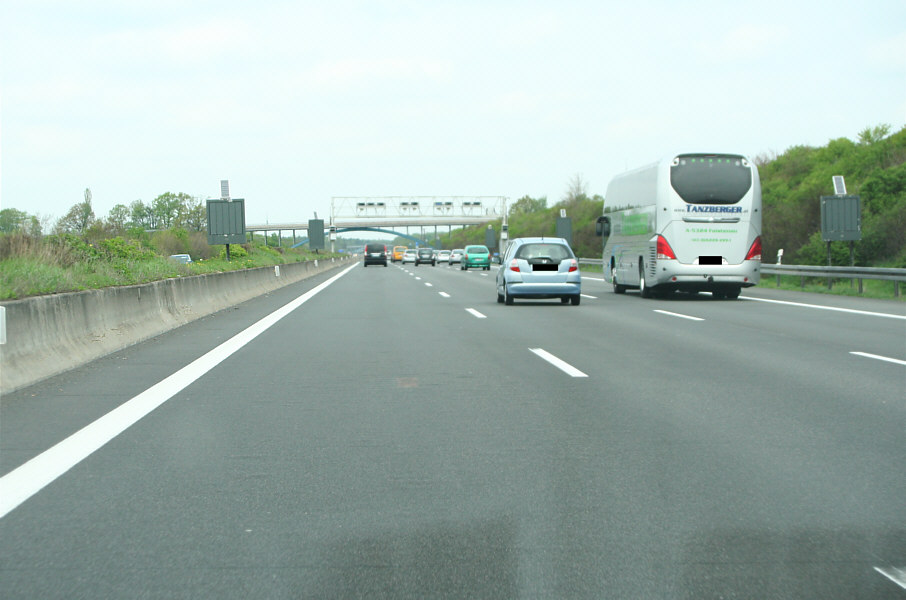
(439, 209)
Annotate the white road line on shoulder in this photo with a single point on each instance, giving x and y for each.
(896, 575)
(879, 357)
(22, 483)
(560, 364)
(846, 310)
(673, 314)
(475, 313)
(444, 294)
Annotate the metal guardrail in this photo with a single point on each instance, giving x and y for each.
(897, 276)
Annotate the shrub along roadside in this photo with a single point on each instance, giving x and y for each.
(31, 267)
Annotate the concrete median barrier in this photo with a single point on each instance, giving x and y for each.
(47, 335)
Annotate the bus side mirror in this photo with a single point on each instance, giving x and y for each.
(602, 227)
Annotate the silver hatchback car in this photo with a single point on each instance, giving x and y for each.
(539, 268)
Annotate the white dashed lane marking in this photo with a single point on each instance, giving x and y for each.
(560, 364)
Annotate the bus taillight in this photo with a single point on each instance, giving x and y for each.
(664, 251)
(755, 250)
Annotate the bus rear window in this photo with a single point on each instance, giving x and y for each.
(710, 178)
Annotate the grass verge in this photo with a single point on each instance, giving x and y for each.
(871, 288)
(35, 274)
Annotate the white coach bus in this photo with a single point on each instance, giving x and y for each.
(690, 222)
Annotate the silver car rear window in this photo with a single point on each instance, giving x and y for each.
(556, 252)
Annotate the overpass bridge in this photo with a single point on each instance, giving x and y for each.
(388, 214)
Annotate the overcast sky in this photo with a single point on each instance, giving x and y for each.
(296, 102)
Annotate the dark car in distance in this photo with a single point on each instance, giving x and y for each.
(375, 254)
(425, 256)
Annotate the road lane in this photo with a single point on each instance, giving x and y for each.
(807, 397)
(384, 439)
(28, 479)
(47, 412)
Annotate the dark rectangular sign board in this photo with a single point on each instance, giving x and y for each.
(841, 218)
(226, 221)
(316, 234)
(490, 238)
(565, 229)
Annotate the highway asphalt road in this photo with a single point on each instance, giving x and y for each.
(398, 433)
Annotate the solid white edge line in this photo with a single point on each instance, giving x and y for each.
(476, 314)
(673, 314)
(879, 357)
(896, 575)
(846, 310)
(560, 364)
(28, 479)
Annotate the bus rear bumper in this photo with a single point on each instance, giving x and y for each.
(706, 277)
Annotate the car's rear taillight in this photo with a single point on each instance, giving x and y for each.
(573, 265)
(514, 266)
(755, 250)
(664, 251)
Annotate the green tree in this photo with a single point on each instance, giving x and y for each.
(873, 135)
(527, 205)
(79, 217)
(193, 213)
(18, 221)
(793, 182)
(165, 210)
(118, 218)
(140, 215)
(884, 188)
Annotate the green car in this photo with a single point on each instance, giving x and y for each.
(476, 256)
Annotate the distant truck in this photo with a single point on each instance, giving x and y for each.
(690, 222)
